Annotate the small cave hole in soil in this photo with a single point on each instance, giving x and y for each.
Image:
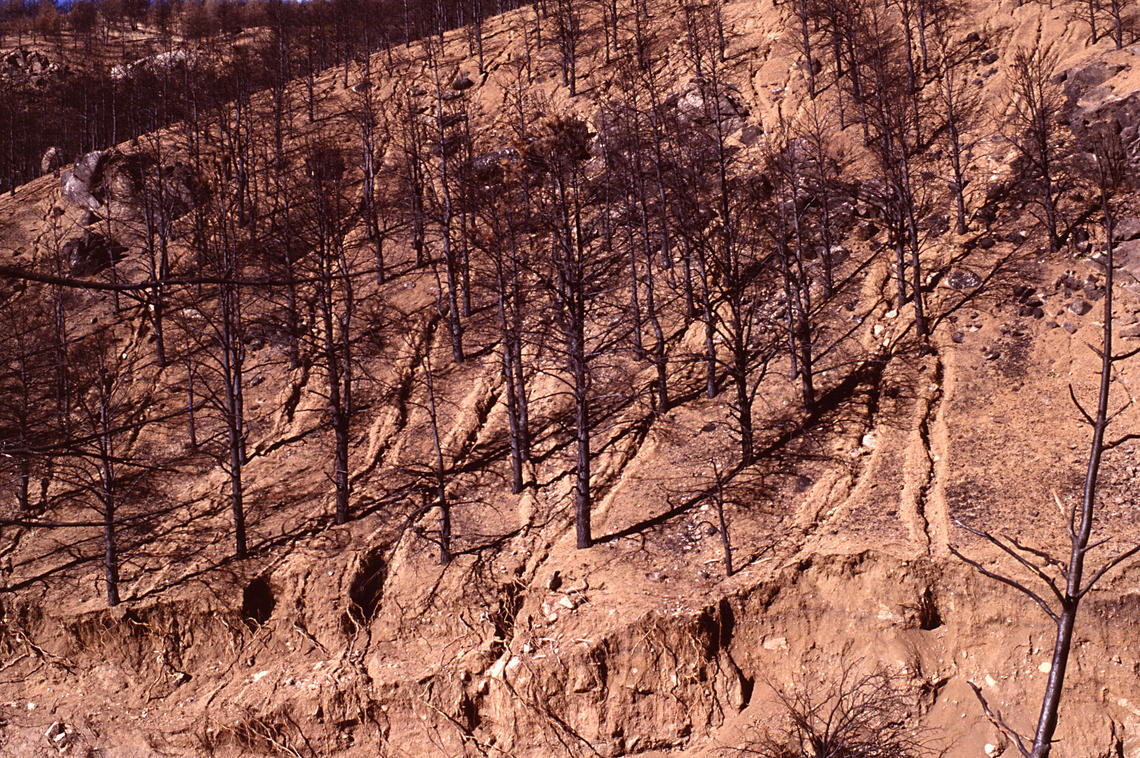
(367, 588)
(928, 615)
(257, 602)
(747, 687)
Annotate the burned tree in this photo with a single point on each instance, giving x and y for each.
(1036, 130)
(1064, 584)
(331, 215)
(574, 276)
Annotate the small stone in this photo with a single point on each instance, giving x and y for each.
(776, 643)
(1069, 328)
(1080, 307)
(567, 602)
(1038, 312)
(554, 582)
(1045, 667)
(958, 337)
(986, 242)
(1130, 332)
(962, 279)
(990, 57)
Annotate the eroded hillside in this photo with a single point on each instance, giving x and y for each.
(356, 638)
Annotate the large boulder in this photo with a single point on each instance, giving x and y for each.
(132, 180)
(87, 164)
(694, 110)
(32, 67)
(1101, 98)
(77, 182)
(52, 160)
(77, 191)
(155, 65)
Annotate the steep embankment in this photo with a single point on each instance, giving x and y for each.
(352, 640)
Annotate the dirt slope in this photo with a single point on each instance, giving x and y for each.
(353, 641)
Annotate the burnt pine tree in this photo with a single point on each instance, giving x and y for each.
(503, 238)
(331, 216)
(1037, 132)
(574, 277)
(222, 341)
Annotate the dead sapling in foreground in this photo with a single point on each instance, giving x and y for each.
(1065, 583)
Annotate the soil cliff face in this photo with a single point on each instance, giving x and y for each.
(353, 640)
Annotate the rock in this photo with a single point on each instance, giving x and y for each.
(865, 230)
(1095, 108)
(76, 190)
(987, 242)
(154, 64)
(1130, 332)
(1070, 328)
(52, 160)
(963, 279)
(91, 253)
(958, 337)
(972, 38)
(462, 82)
(60, 736)
(87, 164)
(1126, 229)
(751, 134)
(693, 110)
(775, 643)
(1079, 307)
(1127, 258)
(989, 58)
(78, 182)
(554, 582)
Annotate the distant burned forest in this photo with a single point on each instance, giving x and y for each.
(90, 75)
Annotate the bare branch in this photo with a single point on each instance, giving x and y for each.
(1020, 559)
(1073, 397)
(1007, 581)
(1108, 567)
(1120, 441)
(998, 722)
(1125, 356)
